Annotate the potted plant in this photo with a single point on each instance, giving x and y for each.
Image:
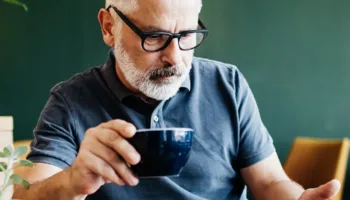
(11, 155)
(12, 162)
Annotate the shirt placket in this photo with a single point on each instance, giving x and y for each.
(157, 120)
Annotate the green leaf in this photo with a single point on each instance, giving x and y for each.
(16, 179)
(25, 184)
(26, 163)
(2, 155)
(3, 166)
(21, 150)
(7, 152)
(17, 3)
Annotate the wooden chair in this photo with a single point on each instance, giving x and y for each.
(312, 162)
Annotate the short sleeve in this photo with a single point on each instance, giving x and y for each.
(255, 141)
(54, 141)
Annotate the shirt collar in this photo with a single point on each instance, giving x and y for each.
(117, 87)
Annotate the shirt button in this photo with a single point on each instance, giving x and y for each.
(155, 118)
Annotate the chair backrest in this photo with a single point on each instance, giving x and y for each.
(312, 162)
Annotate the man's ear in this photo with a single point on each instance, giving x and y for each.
(106, 23)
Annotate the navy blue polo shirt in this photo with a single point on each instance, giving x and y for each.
(215, 100)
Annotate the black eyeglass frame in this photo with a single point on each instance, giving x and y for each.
(144, 35)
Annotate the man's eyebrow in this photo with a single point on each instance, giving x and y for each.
(152, 28)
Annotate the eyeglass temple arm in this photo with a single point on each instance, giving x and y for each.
(201, 24)
(199, 20)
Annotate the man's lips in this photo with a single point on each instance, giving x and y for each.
(165, 77)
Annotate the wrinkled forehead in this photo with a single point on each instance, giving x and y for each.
(168, 14)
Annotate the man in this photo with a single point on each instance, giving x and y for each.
(152, 80)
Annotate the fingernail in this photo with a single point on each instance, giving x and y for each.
(130, 130)
(134, 181)
(134, 157)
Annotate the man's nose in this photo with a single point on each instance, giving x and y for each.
(172, 53)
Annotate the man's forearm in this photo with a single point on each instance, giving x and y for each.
(56, 187)
(283, 190)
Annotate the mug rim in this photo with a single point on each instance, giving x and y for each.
(163, 129)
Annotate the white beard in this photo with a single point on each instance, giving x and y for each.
(141, 80)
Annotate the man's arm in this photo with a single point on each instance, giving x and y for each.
(268, 181)
(47, 182)
(103, 157)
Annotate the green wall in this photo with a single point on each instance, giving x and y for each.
(294, 54)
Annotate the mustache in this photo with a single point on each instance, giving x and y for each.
(165, 71)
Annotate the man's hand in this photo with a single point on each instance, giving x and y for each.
(103, 157)
(323, 192)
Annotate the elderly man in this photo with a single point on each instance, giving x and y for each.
(152, 80)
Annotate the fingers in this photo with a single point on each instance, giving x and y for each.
(125, 129)
(101, 168)
(323, 192)
(329, 189)
(119, 144)
(112, 152)
(111, 157)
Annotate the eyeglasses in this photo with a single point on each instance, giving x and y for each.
(159, 40)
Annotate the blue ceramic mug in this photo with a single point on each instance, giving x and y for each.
(164, 151)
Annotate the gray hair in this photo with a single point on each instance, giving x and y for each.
(126, 6)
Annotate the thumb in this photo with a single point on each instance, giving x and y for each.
(322, 192)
